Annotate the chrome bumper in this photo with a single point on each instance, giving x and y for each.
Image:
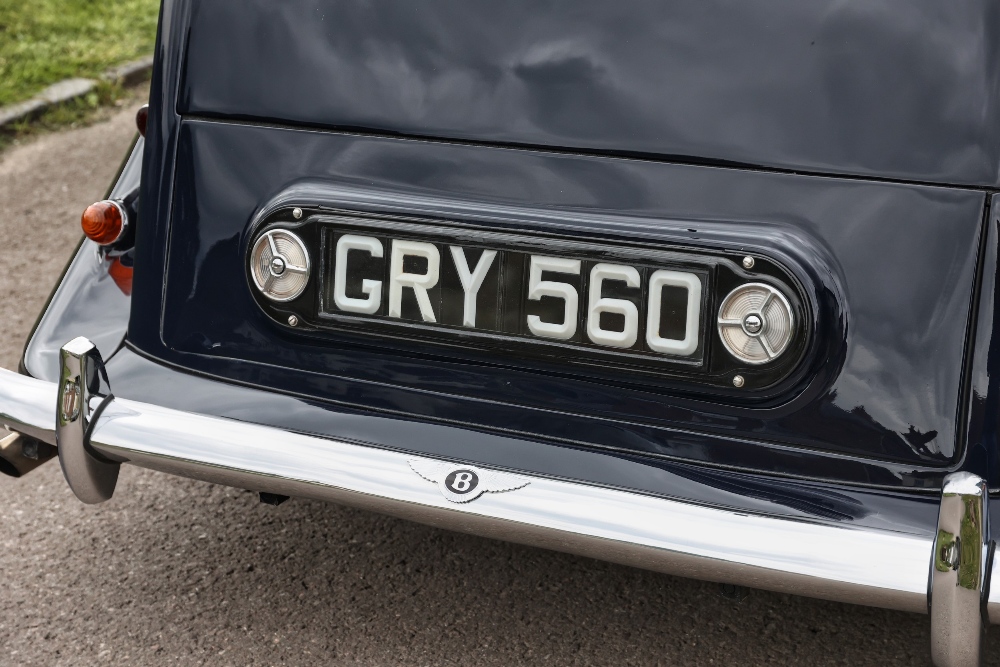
(870, 567)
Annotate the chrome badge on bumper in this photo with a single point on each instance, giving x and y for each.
(461, 483)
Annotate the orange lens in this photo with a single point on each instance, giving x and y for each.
(122, 275)
(102, 222)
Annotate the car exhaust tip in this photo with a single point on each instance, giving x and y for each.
(20, 454)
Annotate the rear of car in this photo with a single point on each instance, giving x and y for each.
(702, 289)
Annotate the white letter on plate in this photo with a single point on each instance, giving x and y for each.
(537, 288)
(657, 282)
(373, 288)
(398, 279)
(598, 305)
(471, 280)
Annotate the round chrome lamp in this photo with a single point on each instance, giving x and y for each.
(279, 264)
(756, 323)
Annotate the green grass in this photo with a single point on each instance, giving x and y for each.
(43, 41)
(80, 112)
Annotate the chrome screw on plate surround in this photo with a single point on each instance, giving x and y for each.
(738, 381)
(748, 262)
(297, 213)
(293, 321)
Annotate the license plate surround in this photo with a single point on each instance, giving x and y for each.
(709, 366)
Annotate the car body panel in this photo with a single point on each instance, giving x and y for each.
(983, 395)
(898, 89)
(898, 259)
(905, 261)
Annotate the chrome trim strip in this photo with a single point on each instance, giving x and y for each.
(958, 571)
(878, 568)
(27, 406)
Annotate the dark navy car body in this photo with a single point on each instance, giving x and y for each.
(850, 150)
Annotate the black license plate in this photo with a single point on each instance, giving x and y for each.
(512, 290)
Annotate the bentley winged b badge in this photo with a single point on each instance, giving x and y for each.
(461, 483)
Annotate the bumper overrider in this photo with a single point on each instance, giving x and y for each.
(946, 574)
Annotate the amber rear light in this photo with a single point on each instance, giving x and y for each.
(122, 275)
(103, 222)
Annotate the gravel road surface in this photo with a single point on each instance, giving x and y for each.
(177, 572)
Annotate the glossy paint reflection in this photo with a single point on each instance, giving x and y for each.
(796, 85)
(905, 256)
(982, 456)
(899, 224)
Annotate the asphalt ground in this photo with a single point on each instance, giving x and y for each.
(178, 572)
